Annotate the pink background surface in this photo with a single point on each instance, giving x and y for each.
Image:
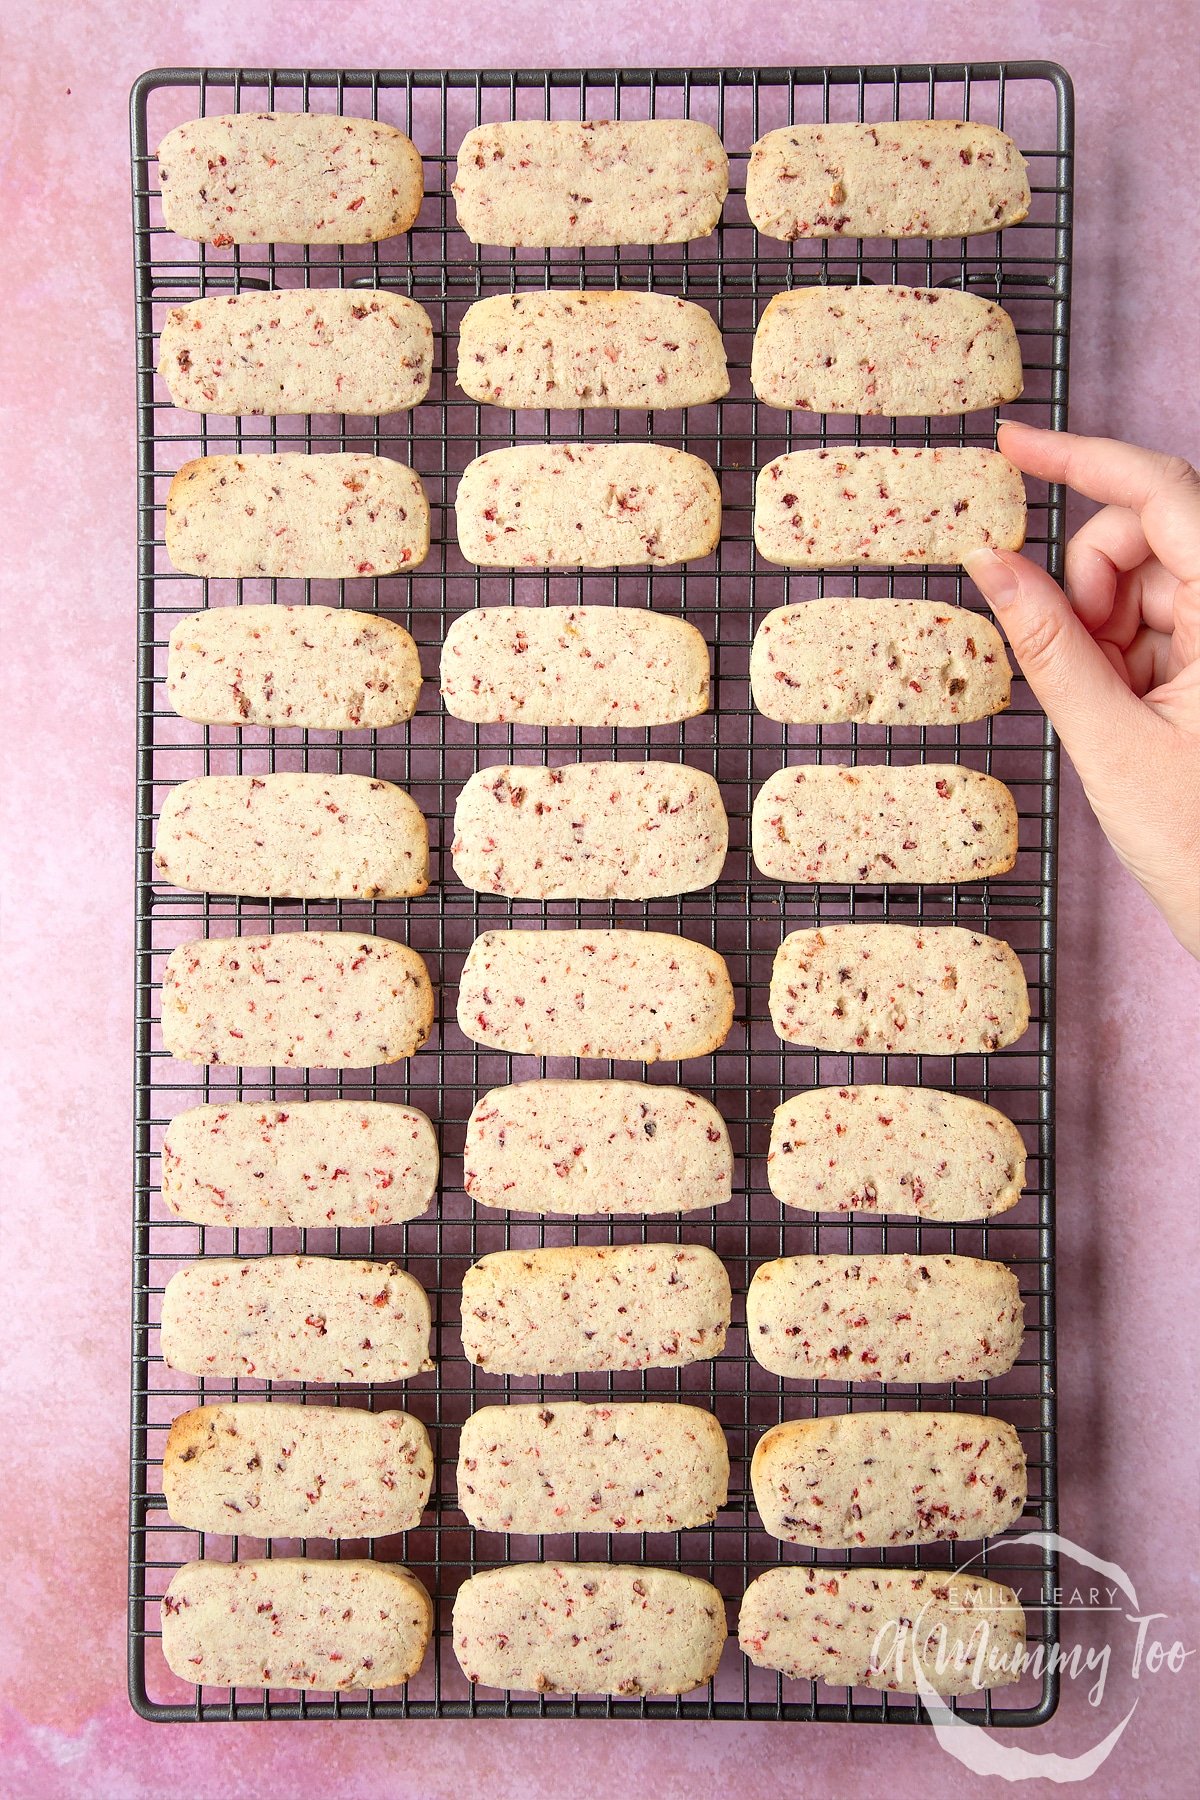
(1128, 996)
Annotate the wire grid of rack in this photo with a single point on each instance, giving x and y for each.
(734, 273)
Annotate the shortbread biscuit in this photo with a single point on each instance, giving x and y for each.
(586, 506)
(896, 351)
(298, 350)
(885, 507)
(296, 1000)
(535, 182)
(643, 351)
(288, 178)
(293, 837)
(590, 831)
(323, 517)
(919, 178)
(295, 1318)
(868, 1479)
(878, 662)
(872, 1628)
(588, 1628)
(632, 996)
(573, 665)
(890, 1317)
(620, 1306)
(934, 990)
(294, 1622)
(288, 1471)
(641, 1466)
(925, 822)
(309, 1163)
(321, 668)
(579, 1147)
(913, 1151)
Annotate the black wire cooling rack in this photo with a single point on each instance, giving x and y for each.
(734, 273)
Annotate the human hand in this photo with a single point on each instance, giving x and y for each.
(1117, 664)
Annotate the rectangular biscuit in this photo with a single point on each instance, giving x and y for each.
(295, 1000)
(878, 662)
(641, 1466)
(295, 1318)
(322, 517)
(606, 1147)
(645, 351)
(916, 178)
(322, 668)
(586, 506)
(885, 507)
(293, 837)
(590, 831)
(298, 350)
(573, 1309)
(911, 1151)
(869, 1479)
(308, 1163)
(288, 178)
(925, 822)
(890, 1317)
(573, 665)
(288, 1471)
(293, 1622)
(872, 1628)
(536, 183)
(934, 990)
(898, 352)
(632, 996)
(588, 1628)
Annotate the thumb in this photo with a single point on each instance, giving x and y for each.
(1090, 707)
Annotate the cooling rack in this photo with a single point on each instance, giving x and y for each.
(734, 274)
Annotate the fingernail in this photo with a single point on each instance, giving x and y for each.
(995, 580)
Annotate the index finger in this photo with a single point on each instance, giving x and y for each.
(1104, 469)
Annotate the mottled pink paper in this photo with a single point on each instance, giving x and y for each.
(1128, 997)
